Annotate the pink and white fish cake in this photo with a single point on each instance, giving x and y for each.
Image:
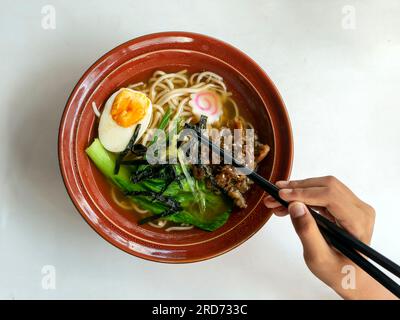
(206, 103)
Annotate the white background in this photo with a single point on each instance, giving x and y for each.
(341, 88)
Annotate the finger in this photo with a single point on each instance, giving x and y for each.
(335, 198)
(314, 196)
(325, 212)
(305, 183)
(271, 203)
(313, 242)
(281, 211)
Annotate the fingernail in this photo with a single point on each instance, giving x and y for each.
(282, 184)
(297, 210)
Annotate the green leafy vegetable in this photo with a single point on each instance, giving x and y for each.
(198, 194)
(217, 208)
(163, 123)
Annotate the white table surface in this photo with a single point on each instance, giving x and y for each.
(342, 90)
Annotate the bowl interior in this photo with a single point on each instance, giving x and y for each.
(91, 192)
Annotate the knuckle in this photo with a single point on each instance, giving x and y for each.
(370, 214)
(331, 181)
(371, 211)
(364, 228)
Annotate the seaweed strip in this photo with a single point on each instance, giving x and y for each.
(127, 149)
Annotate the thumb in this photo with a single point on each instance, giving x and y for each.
(314, 244)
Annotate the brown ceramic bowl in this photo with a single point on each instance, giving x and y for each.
(135, 61)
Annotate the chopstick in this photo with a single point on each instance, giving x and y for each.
(339, 238)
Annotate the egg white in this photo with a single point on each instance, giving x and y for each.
(114, 137)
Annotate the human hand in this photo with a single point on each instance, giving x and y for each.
(338, 203)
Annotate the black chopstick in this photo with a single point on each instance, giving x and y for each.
(327, 224)
(363, 263)
(343, 241)
(338, 237)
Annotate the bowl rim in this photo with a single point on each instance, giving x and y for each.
(63, 169)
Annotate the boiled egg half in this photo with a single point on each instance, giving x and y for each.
(123, 111)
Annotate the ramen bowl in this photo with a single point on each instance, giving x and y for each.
(134, 61)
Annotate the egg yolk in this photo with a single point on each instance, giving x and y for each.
(129, 108)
